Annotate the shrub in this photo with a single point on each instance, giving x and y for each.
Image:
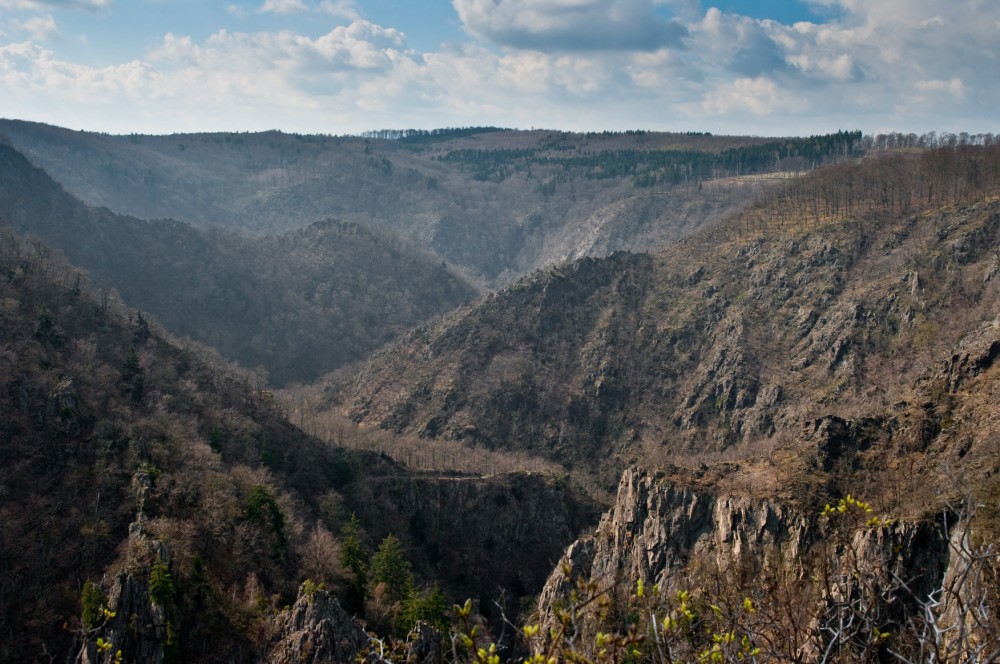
(93, 602)
(161, 583)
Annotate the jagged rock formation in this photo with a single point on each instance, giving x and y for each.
(316, 630)
(423, 645)
(664, 530)
(658, 526)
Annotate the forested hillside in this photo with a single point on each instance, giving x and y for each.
(844, 323)
(157, 482)
(296, 304)
(498, 204)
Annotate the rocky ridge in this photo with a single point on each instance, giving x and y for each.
(316, 630)
(664, 532)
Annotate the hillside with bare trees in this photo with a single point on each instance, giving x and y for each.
(839, 305)
(497, 204)
(296, 304)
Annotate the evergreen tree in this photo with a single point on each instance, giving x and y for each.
(389, 566)
(140, 330)
(134, 376)
(262, 508)
(92, 600)
(428, 605)
(355, 563)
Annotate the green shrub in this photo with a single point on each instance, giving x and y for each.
(92, 601)
(161, 583)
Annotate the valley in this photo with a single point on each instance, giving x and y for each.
(254, 385)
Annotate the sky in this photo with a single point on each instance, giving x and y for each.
(759, 67)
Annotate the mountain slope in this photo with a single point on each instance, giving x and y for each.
(298, 304)
(104, 423)
(153, 480)
(499, 204)
(793, 336)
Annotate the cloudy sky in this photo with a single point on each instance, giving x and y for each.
(765, 67)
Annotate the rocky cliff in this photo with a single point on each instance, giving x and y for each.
(793, 580)
(316, 630)
(134, 623)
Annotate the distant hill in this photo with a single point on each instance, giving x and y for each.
(298, 304)
(847, 321)
(498, 204)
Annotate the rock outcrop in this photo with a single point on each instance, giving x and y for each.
(316, 630)
(736, 341)
(138, 623)
(669, 534)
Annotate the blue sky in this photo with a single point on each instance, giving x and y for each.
(765, 67)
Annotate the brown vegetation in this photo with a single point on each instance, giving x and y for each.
(841, 333)
(795, 348)
(495, 204)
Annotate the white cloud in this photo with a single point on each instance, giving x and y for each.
(345, 9)
(952, 87)
(360, 45)
(569, 25)
(871, 54)
(40, 28)
(745, 95)
(538, 73)
(283, 6)
(29, 71)
(284, 75)
(865, 67)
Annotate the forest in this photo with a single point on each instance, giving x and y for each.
(648, 168)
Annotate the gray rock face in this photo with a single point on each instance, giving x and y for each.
(423, 645)
(978, 352)
(655, 528)
(658, 532)
(316, 630)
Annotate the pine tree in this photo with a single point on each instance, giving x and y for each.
(389, 566)
(428, 605)
(355, 563)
